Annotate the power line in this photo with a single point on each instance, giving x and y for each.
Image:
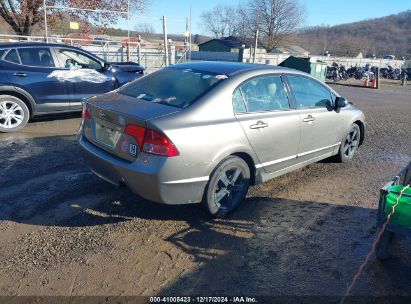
(86, 9)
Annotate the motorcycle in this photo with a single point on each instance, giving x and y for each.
(336, 72)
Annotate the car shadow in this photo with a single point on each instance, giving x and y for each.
(275, 246)
(45, 182)
(268, 246)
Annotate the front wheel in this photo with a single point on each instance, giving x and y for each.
(227, 186)
(14, 113)
(350, 144)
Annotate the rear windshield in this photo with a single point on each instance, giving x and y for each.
(173, 86)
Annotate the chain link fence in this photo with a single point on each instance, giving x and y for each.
(149, 55)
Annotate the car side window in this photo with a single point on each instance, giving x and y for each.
(12, 57)
(308, 93)
(38, 57)
(238, 102)
(75, 60)
(264, 93)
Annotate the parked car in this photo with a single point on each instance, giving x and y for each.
(78, 39)
(38, 78)
(390, 57)
(104, 41)
(206, 131)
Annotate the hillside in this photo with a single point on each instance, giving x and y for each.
(380, 36)
(4, 27)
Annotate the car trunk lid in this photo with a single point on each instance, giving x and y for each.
(109, 115)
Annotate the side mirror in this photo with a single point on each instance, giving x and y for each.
(340, 102)
(107, 66)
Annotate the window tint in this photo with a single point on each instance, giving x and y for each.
(173, 86)
(12, 57)
(75, 60)
(40, 57)
(2, 53)
(265, 93)
(309, 94)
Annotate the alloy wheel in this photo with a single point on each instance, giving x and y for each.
(11, 114)
(351, 142)
(229, 188)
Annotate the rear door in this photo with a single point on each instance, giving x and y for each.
(262, 107)
(321, 125)
(30, 68)
(84, 75)
(4, 78)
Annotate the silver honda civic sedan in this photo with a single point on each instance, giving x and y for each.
(206, 131)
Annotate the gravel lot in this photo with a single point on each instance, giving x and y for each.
(64, 231)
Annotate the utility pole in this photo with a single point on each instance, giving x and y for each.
(186, 40)
(255, 45)
(189, 42)
(128, 30)
(45, 20)
(165, 41)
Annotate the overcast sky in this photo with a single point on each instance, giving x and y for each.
(318, 12)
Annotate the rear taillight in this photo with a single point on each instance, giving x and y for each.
(159, 144)
(86, 113)
(151, 141)
(137, 132)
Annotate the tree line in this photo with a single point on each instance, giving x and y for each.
(280, 23)
(379, 37)
(23, 15)
(275, 20)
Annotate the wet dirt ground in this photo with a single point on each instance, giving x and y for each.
(63, 231)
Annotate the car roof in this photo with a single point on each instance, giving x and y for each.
(227, 68)
(31, 44)
(9, 45)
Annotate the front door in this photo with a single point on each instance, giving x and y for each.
(262, 107)
(321, 125)
(84, 75)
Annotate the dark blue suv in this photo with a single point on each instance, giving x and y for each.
(38, 78)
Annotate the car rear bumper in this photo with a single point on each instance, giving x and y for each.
(148, 176)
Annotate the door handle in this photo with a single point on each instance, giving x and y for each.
(19, 74)
(259, 125)
(309, 118)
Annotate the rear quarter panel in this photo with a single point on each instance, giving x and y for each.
(4, 78)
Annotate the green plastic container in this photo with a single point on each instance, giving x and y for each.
(402, 215)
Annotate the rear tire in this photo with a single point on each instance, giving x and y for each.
(14, 114)
(227, 186)
(349, 144)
